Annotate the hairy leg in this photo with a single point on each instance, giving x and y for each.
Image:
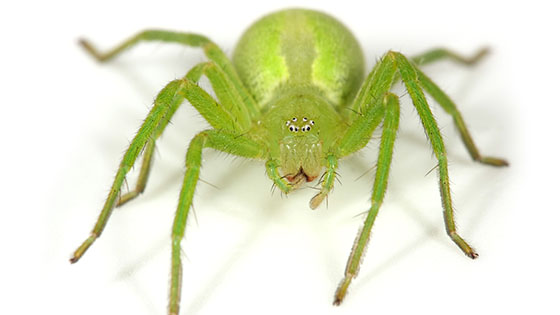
(368, 113)
(445, 101)
(372, 105)
(228, 99)
(220, 140)
(378, 82)
(390, 127)
(227, 85)
(212, 51)
(367, 107)
(450, 107)
(410, 78)
(165, 105)
(147, 159)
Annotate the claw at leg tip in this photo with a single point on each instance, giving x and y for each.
(338, 297)
(341, 291)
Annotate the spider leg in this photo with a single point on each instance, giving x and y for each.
(410, 78)
(220, 140)
(147, 159)
(368, 112)
(228, 98)
(438, 54)
(361, 112)
(166, 103)
(212, 51)
(447, 104)
(373, 103)
(390, 126)
(367, 108)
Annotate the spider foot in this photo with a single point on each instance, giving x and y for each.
(493, 161)
(341, 291)
(463, 245)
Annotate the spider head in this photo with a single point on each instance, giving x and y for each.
(300, 150)
(300, 126)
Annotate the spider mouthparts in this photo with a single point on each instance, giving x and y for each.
(300, 177)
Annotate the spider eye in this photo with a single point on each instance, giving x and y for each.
(293, 125)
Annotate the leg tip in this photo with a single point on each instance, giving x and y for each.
(88, 47)
(481, 54)
(464, 246)
(85, 44)
(341, 291)
(337, 301)
(83, 248)
(473, 255)
(494, 161)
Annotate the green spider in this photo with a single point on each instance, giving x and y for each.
(293, 96)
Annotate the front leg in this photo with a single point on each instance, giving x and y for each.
(219, 140)
(230, 103)
(165, 105)
(390, 126)
(158, 114)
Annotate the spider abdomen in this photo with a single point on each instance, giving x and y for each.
(299, 47)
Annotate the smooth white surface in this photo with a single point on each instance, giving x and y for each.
(67, 120)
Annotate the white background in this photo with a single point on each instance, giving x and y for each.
(66, 121)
